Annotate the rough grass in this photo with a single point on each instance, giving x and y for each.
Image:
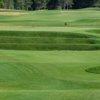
(97, 31)
(43, 34)
(21, 40)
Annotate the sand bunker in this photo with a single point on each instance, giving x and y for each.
(12, 13)
(12, 9)
(6, 9)
(17, 26)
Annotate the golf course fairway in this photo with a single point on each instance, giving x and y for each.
(42, 59)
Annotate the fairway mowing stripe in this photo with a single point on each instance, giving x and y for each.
(85, 24)
(50, 90)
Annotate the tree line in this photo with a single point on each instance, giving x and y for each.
(48, 4)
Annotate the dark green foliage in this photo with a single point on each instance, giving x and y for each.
(1, 3)
(83, 3)
(28, 4)
(48, 4)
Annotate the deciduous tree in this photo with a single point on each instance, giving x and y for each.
(28, 4)
(65, 3)
(1, 3)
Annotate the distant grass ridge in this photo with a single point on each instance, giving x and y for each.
(51, 18)
(95, 70)
(22, 40)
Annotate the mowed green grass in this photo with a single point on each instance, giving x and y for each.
(55, 18)
(46, 75)
(49, 75)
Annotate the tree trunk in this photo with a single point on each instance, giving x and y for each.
(67, 5)
(64, 5)
(27, 8)
(5, 4)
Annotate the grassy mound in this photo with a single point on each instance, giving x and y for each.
(94, 70)
(21, 40)
(97, 31)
